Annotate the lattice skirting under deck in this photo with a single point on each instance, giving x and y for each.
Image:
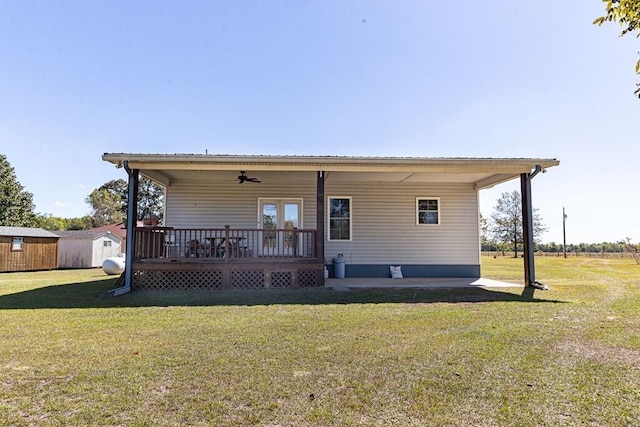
(153, 278)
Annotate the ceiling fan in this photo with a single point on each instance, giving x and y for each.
(242, 178)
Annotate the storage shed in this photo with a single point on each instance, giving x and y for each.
(120, 230)
(27, 249)
(86, 248)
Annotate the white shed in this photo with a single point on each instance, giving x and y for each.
(86, 248)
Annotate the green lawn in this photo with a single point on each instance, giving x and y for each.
(467, 357)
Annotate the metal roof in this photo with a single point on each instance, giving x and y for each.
(482, 172)
(86, 234)
(25, 232)
(341, 162)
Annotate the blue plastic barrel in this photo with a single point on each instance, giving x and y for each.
(338, 266)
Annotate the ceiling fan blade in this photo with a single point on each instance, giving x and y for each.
(242, 178)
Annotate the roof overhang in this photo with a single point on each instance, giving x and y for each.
(481, 172)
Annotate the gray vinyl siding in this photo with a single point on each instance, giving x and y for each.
(384, 229)
(214, 205)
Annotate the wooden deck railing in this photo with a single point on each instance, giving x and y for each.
(223, 243)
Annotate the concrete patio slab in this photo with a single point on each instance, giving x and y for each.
(413, 282)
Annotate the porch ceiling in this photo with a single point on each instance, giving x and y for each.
(481, 172)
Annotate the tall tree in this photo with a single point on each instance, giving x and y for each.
(16, 204)
(83, 223)
(627, 14)
(505, 223)
(106, 207)
(50, 222)
(109, 201)
(150, 200)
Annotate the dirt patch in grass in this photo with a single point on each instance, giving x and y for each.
(601, 353)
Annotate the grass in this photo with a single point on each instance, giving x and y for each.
(466, 357)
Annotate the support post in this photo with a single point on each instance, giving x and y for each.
(527, 230)
(564, 233)
(132, 217)
(320, 222)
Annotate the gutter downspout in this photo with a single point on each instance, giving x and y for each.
(527, 230)
(132, 215)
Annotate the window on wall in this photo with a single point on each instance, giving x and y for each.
(106, 243)
(339, 218)
(16, 243)
(427, 210)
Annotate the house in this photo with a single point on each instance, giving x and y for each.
(239, 221)
(86, 248)
(27, 249)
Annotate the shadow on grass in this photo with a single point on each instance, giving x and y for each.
(94, 295)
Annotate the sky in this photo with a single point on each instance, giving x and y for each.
(336, 77)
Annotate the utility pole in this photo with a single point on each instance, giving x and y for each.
(564, 233)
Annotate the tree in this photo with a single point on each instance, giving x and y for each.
(50, 222)
(109, 201)
(16, 204)
(627, 14)
(150, 200)
(83, 223)
(632, 248)
(505, 224)
(486, 244)
(106, 206)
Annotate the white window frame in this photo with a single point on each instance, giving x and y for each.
(17, 244)
(329, 198)
(439, 211)
(280, 201)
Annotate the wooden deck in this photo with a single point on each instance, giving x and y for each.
(168, 258)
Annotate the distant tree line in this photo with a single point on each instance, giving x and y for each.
(108, 204)
(502, 232)
(552, 247)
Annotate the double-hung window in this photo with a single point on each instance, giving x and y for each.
(427, 211)
(339, 218)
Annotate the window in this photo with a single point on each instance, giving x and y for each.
(16, 244)
(339, 218)
(427, 211)
(106, 243)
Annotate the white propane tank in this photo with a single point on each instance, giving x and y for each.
(113, 265)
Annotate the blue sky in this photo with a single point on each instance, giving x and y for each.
(366, 78)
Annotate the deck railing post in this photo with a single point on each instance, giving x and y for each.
(227, 243)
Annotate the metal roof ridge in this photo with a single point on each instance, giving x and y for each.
(317, 156)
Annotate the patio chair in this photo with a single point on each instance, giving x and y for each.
(193, 249)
